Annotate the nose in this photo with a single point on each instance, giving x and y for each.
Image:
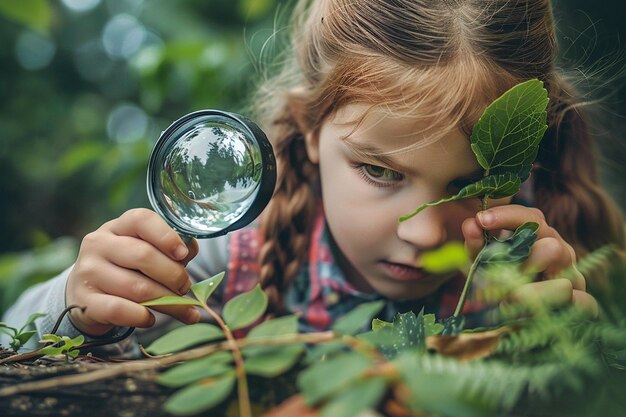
(426, 230)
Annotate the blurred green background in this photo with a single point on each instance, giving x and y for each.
(87, 85)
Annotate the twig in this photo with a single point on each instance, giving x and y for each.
(150, 364)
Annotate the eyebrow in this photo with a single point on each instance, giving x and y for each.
(372, 154)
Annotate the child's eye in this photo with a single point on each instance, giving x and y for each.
(379, 176)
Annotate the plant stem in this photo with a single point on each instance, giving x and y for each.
(245, 408)
(474, 267)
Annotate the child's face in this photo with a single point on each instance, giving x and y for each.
(364, 197)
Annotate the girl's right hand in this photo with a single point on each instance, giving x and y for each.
(134, 258)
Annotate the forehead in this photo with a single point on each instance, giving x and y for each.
(367, 126)
(401, 142)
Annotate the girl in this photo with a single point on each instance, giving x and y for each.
(370, 117)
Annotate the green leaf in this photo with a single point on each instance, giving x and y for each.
(192, 371)
(50, 338)
(450, 257)
(184, 337)
(245, 308)
(358, 397)
(203, 289)
(378, 324)
(280, 326)
(493, 186)
(506, 137)
(75, 342)
(325, 350)
(356, 319)
(407, 332)
(35, 14)
(200, 396)
(24, 337)
(171, 300)
(453, 325)
(323, 379)
(514, 249)
(275, 361)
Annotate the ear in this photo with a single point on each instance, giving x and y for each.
(311, 141)
(298, 109)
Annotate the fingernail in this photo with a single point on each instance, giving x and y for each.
(192, 316)
(486, 218)
(185, 288)
(180, 252)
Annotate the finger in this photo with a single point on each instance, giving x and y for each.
(193, 248)
(553, 293)
(585, 303)
(511, 216)
(133, 286)
(150, 227)
(548, 256)
(136, 254)
(473, 235)
(106, 310)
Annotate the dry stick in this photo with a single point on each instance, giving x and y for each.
(149, 364)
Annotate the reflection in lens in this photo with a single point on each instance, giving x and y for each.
(210, 176)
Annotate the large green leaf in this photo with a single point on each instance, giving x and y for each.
(203, 289)
(280, 326)
(356, 319)
(506, 137)
(200, 396)
(323, 379)
(356, 398)
(184, 337)
(192, 371)
(505, 141)
(273, 362)
(245, 308)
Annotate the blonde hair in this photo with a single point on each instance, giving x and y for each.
(443, 61)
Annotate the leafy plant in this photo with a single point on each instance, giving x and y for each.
(21, 336)
(61, 345)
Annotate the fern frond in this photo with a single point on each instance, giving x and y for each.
(598, 259)
(477, 386)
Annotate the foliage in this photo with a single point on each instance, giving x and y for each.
(61, 345)
(19, 337)
(541, 362)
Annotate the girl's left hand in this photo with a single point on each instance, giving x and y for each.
(549, 256)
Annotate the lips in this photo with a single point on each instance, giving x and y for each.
(404, 272)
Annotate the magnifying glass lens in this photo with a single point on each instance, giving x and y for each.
(210, 177)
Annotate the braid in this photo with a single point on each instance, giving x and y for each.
(288, 218)
(566, 184)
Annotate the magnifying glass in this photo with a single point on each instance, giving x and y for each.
(211, 172)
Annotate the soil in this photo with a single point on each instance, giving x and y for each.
(124, 396)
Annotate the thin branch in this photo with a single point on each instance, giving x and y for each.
(150, 364)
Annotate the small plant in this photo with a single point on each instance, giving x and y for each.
(61, 345)
(19, 337)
